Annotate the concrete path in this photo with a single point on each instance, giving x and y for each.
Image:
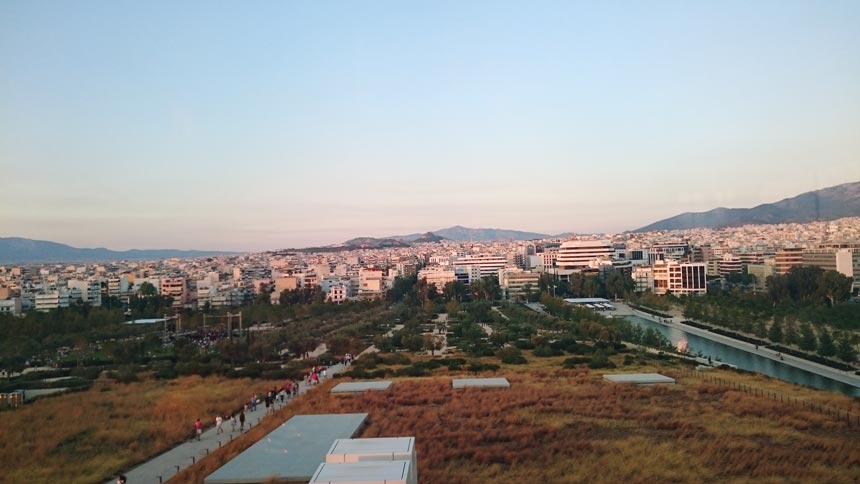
(165, 466)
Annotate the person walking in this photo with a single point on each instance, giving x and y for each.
(218, 421)
(198, 428)
(242, 421)
(120, 479)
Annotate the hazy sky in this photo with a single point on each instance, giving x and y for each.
(261, 125)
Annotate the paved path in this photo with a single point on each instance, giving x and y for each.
(165, 466)
(810, 366)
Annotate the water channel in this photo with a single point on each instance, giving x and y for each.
(744, 359)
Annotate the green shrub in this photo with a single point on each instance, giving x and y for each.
(511, 356)
(600, 359)
(547, 351)
(575, 360)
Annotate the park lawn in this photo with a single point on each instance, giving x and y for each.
(89, 436)
(568, 425)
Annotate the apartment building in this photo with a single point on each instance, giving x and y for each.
(487, 265)
(176, 288)
(515, 282)
(786, 258)
(438, 276)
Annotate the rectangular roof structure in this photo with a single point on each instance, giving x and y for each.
(386, 472)
(481, 382)
(382, 448)
(291, 452)
(640, 378)
(375, 449)
(360, 386)
(586, 300)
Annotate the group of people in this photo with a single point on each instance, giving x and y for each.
(236, 419)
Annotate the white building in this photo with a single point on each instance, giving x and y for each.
(47, 301)
(438, 276)
(488, 265)
(90, 291)
(581, 254)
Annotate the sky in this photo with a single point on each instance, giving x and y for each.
(263, 125)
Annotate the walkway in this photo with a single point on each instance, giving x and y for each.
(800, 363)
(165, 466)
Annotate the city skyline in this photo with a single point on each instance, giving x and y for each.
(269, 125)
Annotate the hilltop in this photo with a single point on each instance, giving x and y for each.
(825, 204)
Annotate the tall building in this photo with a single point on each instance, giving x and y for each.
(680, 277)
(580, 254)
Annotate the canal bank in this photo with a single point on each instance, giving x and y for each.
(849, 383)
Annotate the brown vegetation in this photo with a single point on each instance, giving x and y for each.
(552, 425)
(557, 425)
(87, 437)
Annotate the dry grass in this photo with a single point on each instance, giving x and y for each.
(89, 436)
(552, 425)
(556, 425)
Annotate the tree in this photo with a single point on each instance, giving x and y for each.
(791, 334)
(454, 291)
(835, 287)
(147, 290)
(616, 284)
(452, 308)
(775, 333)
(845, 349)
(826, 347)
(808, 341)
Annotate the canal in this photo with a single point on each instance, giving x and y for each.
(744, 359)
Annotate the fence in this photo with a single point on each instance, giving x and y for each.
(841, 415)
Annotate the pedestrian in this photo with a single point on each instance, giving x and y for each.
(242, 421)
(218, 421)
(120, 479)
(198, 428)
(233, 423)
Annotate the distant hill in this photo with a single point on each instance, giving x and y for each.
(17, 250)
(825, 204)
(428, 237)
(373, 243)
(460, 234)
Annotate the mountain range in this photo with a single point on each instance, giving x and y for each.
(27, 251)
(826, 204)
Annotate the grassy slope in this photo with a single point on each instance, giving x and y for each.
(89, 436)
(558, 425)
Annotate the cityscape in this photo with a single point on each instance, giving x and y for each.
(650, 259)
(429, 243)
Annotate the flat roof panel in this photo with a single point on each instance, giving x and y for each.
(381, 472)
(481, 382)
(361, 386)
(291, 452)
(373, 446)
(639, 378)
